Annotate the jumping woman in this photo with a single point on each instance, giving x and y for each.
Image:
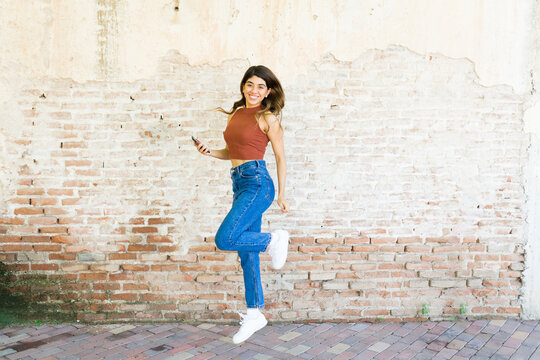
(252, 122)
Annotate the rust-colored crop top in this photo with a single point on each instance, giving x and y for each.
(244, 137)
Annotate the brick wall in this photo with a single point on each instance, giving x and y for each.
(405, 180)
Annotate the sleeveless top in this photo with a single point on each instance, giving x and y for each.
(244, 137)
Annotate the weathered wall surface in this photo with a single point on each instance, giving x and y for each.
(87, 40)
(531, 117)
(412, 195)
(406, 175)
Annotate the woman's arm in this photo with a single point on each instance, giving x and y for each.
(222, 154)
(275, 134)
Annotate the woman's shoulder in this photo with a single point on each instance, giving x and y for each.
(270, 117)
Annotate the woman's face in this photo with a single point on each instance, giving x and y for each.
(255, 91)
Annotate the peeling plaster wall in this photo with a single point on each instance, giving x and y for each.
(124, 41)
(531, 118)
(59, 39)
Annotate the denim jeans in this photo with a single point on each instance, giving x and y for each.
(241, 230)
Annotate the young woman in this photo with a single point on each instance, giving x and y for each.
(252, 122)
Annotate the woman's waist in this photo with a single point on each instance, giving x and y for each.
(239, 162)
(248, 166)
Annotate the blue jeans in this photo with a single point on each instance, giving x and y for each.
(241, 230)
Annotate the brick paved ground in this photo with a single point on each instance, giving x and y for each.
(481, 339)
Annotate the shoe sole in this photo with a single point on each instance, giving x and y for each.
(286, 247)
(250, 335)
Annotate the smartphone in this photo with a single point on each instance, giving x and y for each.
(197, 142)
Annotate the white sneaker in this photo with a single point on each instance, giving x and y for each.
(278, 248)
(249, 326)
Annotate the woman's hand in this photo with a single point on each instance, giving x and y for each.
(284, 205)
(202, 148)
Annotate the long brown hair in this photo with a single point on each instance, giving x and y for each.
(274, 102)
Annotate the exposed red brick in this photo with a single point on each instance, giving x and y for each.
(30, 191)
(63, 239)
(202, 248)
(122, 256)
(78, 248)
(107, 286)
(132, 267)
(144, 230)
(159, 239)
(62, 256)
(302, 240)
(156, 221)
(10, 239)
(311, 249)
(43, 267)
(409, 240)
(166, 248)
(11, 221)
(7, 248)
(418, 248)
(48, 248)
(171, 267)
(211, 257)
(137, 247)
(93, 276)
(43, 201)
(135, 286)
(29, 211)
(124, 296)
(367, 248)
(60, 192)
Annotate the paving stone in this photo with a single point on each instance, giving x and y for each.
(446, 353)
(289, 336)
(479, 339)
(390, 339)
(489, 348)
(456, 344)
(122, 329)
(466, 352)
(378, 347)
(391, 351)
(426, 354)
(338, 348)
(366, 355)
(7, 352)
(436, 345)
(344, 356)
(297, 350)
(317, 349)
(532, 339)
(465, 336)
(262, 357)
(206, 326)
(14, 339)
(406, 354)
(513, 343)
(524, 352)
(351, 340)
(536, 355)
(359, 327)
(519, 335)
